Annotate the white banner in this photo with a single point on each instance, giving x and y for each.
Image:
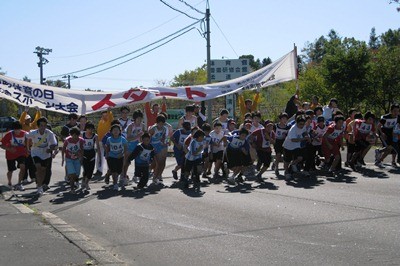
(85, 102)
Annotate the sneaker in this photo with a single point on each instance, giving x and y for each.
(98, 173)
(231, 180)
(259, 179)
(379, 164)
(294, 168)
(394, 164)
(45, 187)
(239, 179)
(87, 187)
(175, 174)
(83, 186)
(25, 182)
(377, 155)
(39, 191)
(115, 187)
(135, 179)
(19, 187)
(358, 164)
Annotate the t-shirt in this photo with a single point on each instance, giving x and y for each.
(134, 130)
(260, 140)
(89, 142)
(294, 133)
(17, 141)
(362, 129)
(235, 143)
(192, 120)
(159, 136)
(117, 146)
(216, 139)
(333, 135)
(73, 147)
(179, 137)
(253, 127)
(142, 154)
(192, 153)
(41, 142)
(318, 134)
(281, 132)
(388, 122)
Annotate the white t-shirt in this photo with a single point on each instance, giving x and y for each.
(40, 143)
(294, 133)
(216, 138)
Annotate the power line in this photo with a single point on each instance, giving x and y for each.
(177, 10)
(123, 62)
(226, 39)
(120, 57)
(191, 7)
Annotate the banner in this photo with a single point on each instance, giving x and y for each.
(86, 102)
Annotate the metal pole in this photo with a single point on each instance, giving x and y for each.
(41, 67)
(69, 82)
(209, 102)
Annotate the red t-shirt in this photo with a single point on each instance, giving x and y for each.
(17, 141)
(333, 135)
(261, 142)
(72, 148)
(362, 129)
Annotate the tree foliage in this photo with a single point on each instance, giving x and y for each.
(191, 77)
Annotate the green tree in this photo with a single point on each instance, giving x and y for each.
(2, 72)
(374, 42)
(56, 83)
(191, 77)
(391, 38)
(25, 78)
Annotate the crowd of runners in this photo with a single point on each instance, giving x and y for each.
(307, 137)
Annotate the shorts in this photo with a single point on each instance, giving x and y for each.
(11, 163)
(217, 156)
(361, 145)
(115, 165)
(289, 155)
(389, 138)
(264, 157)
(235, 158)
(158, 147)
(335, 151)
(351, 148)
(278, 146)
(43, 163)
(179, 157)
(73, 166)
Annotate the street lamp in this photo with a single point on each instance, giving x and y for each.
(69, 79)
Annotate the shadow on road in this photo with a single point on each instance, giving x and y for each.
(305, 182)
(371, 173)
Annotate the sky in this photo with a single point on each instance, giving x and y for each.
(82, 34)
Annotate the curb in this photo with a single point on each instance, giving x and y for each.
(84, 243)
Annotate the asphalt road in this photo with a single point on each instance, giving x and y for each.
(351, 221)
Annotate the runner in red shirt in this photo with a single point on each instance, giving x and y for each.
(332, 141)
(14, 142)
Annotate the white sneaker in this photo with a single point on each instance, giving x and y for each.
(135, 179)
(21, 187)
(115, 187)
(231, 179)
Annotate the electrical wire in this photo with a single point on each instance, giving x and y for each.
(177, 10)
(123, 62)
(226, 39)
(120, 57)
(193, 8)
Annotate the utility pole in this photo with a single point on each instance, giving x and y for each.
(40, 51)
(209, 102)
(69, 79)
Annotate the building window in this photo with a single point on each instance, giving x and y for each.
(212, 76)
(228, 62)
(238, 70)
(218, 70)
(244, 62)
(228, 76)
(224, 69)
(212, 70)
(244, 69)
(231, 70)
(212, 63)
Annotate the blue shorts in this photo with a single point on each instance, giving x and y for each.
(73, 166)
(179, 157)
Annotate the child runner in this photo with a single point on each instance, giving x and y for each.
(90, 147)
(143, 155)
(42, 142)
(206, 159)
(188, 117)
(385, 129)
(158, 133)
(332, 142)
(178, 138)
(218, 141)
(133, 134)
(116, 151)
(14, 142)
(319, 130)
(72, 153)
(262, 140)
(281, 130)
(236, 152)
(193, 160)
